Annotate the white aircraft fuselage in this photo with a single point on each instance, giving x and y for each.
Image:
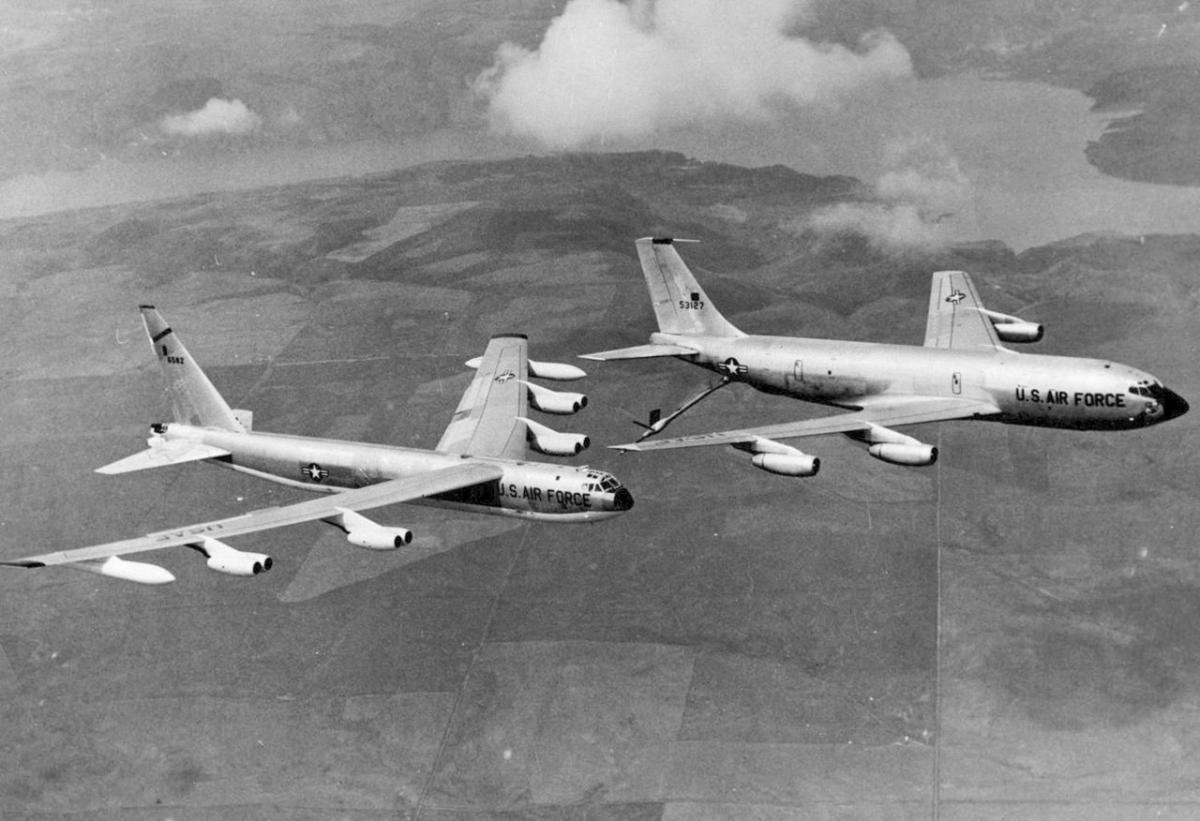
(529, 490)
(1029, 389)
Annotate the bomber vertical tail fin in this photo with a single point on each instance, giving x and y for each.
(680, 304)
(194, 400)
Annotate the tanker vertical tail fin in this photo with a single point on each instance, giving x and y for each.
(680, 304)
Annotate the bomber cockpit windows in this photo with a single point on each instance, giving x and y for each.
(605, 482)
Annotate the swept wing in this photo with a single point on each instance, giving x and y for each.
(884, 412)
(378, 495)
(956, 318)
(486, 420)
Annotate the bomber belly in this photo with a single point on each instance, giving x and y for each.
(534, 490)
(323, 464)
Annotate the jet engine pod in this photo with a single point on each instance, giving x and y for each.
(225, 559)
(1019, 331)
(560, 402)
(785, 464)
(362, 532)
(379, 537)
(776, 457)
(1011, 328)
(551, 442)
(913, 455)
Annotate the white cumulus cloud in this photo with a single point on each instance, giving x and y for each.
(921, 192)
(608, 69)
(216, 117)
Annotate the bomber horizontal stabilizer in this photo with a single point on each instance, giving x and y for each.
(164, 453)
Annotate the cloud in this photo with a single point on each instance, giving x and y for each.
(607, 69)
(217, 117)
(917, 201)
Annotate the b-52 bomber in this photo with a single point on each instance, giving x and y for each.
(963, 371)
(479, 464)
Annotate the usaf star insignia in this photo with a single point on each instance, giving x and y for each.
(732, 367)
(956, 297)
(314, 472)
(505, 376)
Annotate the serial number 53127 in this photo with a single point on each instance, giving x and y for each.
(691, 305)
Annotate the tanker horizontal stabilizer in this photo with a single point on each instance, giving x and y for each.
(639, 352)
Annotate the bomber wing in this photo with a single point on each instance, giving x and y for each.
(884, 412)
(378, 495)
(486, 421)
(956, 317)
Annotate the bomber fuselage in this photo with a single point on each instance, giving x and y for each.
(533, 490)
(1028, 389)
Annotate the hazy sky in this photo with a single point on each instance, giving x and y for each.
(103, 103)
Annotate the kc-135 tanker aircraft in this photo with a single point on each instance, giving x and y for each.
(963, 371)
(479, 464)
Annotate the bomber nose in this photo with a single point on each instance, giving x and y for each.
(622, 499)
(1173, 404)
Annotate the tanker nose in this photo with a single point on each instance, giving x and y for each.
(622, 499)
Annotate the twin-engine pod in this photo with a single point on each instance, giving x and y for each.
(560, 402)
(225, 559)
(784, 460)
(894, 447)
(1014, 329)
(362, 532)
(551, 442)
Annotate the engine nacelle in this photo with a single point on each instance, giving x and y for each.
(1019, 331)
(560, 402)
(776, 457)
(225, 559)
(558, 371)
(785, 464)
(379, 537)
(362, 532)
(914, 455)
(551, 442)
(1011, 328)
